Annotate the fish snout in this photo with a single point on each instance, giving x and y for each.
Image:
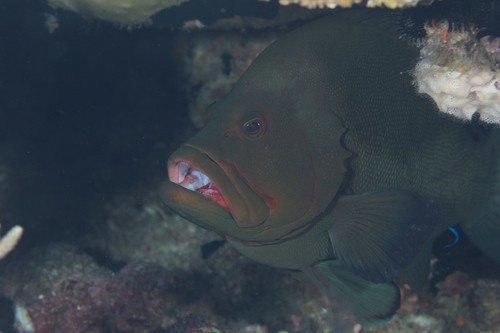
(210, 179)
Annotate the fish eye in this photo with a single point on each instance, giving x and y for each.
(253, 127)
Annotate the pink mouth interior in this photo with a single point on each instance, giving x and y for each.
(185, 175)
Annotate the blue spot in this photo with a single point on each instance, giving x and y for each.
(455, 241)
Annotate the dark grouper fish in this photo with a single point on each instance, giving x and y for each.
(324, 159)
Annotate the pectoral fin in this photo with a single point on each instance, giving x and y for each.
(417, 273)
(370, 303)
(379, 233)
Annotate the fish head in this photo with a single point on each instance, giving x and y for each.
(251, 173)
(269, 159)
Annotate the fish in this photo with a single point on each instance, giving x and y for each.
(324, 160)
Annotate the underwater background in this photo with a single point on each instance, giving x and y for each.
(89, 113)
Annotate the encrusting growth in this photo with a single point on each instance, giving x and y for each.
(392, 4)
(461, 74)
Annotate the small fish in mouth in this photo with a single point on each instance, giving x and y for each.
(192, 179)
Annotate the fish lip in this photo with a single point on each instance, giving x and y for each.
(179, 170)
(196, 208)
(237, 196)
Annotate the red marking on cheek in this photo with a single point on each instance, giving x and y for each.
(220, 201)
(270, 202)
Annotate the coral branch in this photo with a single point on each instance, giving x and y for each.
(9, 241)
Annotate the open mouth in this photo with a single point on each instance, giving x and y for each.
(185, 175)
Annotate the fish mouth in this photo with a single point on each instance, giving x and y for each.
(186, 175)
(211, 192)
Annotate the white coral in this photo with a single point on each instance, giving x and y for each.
(460, 73)
(392, 4)
(123, 12)
(10, 240)
(461, 93)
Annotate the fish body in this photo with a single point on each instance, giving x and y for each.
(324, 159)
